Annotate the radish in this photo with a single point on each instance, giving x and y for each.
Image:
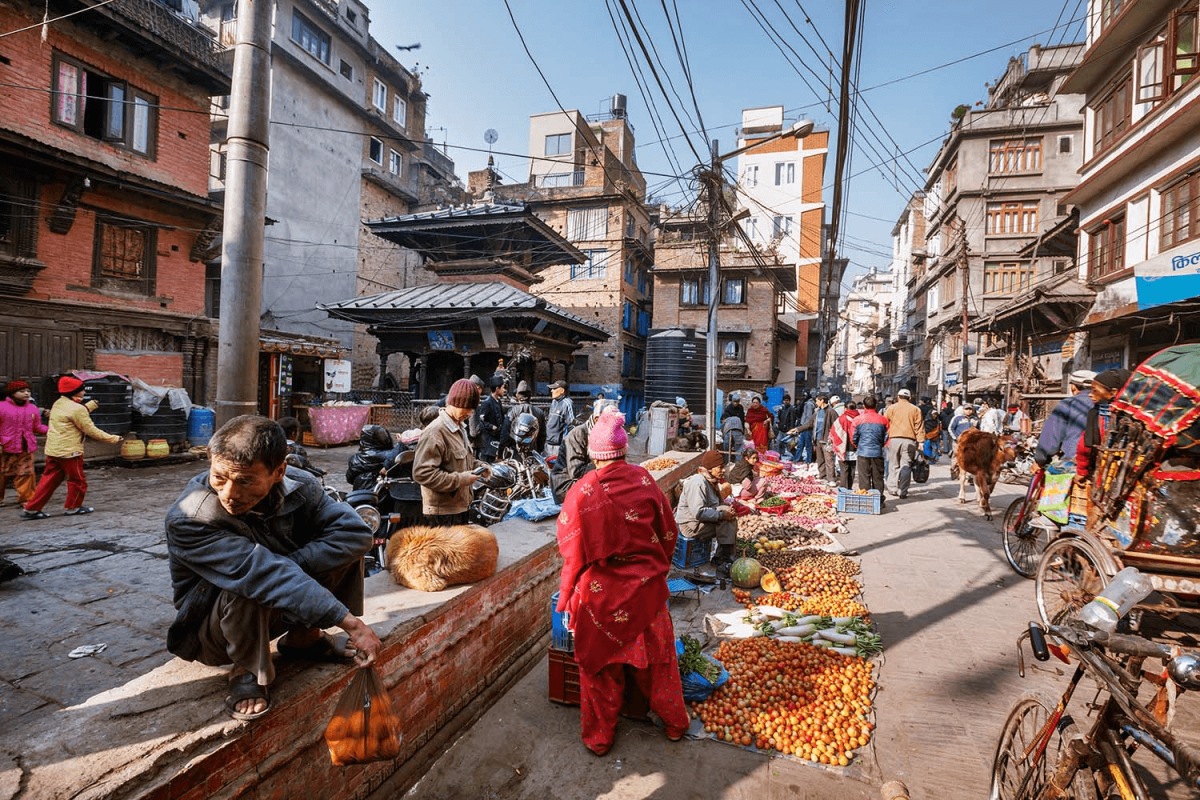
(796, 630)
(846, 651)
(772, 612)
(835, 635)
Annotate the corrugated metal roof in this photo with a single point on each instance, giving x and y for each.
(455, 212)
(474, 295)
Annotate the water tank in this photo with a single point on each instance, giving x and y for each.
(618, 106)
(200, 425)
(115, 396)
(676, 366)
(165, 423)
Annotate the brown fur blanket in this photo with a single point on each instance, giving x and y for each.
(430, 559)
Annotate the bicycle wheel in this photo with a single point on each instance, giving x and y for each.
(1023, 543)
(1013, 776)
(1068, 577)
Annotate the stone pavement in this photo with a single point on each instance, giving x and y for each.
(949, 610)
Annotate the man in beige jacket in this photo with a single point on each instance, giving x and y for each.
(444, 464)
(70, 422)
(906, 432)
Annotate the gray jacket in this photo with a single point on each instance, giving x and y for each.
(266, 556)
(699, 501)
(558, 421)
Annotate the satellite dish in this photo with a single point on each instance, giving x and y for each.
(490, 136)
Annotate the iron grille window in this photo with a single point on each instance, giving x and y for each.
(123, 256)
(18, 216)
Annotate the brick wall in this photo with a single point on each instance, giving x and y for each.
(156, 369)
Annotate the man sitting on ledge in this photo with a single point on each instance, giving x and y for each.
(257, 550)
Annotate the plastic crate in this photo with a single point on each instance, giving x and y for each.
(691, 552)
(564, 686)
(851, 503)
(561, 638)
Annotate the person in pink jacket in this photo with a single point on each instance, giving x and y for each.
(20, 424)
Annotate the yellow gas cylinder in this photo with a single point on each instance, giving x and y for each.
(133, 449)
(157, 448)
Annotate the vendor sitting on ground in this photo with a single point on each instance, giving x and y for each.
(744, 475)
(256, 549)
(700, 513)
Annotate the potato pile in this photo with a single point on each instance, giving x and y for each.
(770, 528)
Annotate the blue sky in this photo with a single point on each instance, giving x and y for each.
(478, 76)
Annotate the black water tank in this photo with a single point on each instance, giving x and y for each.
(115, 396)
(676, 366)
(165, 423)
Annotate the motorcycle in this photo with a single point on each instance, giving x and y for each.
(391, 503)
(1020, 470)
(532, 473)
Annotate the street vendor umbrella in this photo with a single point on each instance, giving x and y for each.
(1164, 395)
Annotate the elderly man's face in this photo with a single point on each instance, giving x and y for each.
(1101, 393)
(240, 487)
(557, 392)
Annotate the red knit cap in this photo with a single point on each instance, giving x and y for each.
(69, 385)
(463, 394)
(15, 386)
(608, 439)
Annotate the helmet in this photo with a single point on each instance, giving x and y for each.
(375, 437)
(525, 429)
(502, 477)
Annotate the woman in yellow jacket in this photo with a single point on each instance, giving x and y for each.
(70, 421)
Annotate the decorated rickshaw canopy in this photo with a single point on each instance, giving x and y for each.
(1164, 394)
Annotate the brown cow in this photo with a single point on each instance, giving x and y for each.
(980, 455)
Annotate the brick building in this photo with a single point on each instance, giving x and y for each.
(585, 183)
(753, 338)
(104, 208)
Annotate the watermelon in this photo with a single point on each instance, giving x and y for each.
(746, 573)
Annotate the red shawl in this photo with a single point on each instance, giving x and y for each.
(756, 419)
(616, 533)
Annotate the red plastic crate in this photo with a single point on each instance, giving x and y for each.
(564, 686)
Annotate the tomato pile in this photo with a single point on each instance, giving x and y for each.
(797, 699)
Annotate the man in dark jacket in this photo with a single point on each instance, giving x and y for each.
(870, 433)
(522, 406)
(561, 417)
(823, 418)
(785, 416)
(804, 423)
(573, 462)
(256, 550)
(491, 420)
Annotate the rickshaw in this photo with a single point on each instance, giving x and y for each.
(1145, 496)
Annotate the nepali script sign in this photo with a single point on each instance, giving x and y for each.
(1168, 277)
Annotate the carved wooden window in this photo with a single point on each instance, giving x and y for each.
(123, 255)
(18, 216)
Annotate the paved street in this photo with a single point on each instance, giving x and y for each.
(946, 604)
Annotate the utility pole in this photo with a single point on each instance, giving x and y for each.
(964, 274)
(714, 276)
(245, 212)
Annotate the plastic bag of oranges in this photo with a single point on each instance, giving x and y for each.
(364, 727)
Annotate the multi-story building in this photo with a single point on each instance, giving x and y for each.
(347, 143)
(779, 184)
(901, 351)
(755, 346)
(585, 183)
(863, 338)
(998, 182)
(104, 207)
(1140, 179)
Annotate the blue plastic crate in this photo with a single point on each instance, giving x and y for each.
(560, 637)
(851, 503)
(691, 552)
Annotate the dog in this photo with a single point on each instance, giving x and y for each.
(430, 559)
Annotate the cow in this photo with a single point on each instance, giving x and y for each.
(980, 455)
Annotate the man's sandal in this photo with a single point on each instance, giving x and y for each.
(246, 687)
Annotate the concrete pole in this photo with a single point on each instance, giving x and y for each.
(714, 270)
(245, 212)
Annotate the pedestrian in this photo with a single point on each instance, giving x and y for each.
(758, 424)
(700, 514)
(443, 465)
(1060, 434)
(991, 419)
(491, 419)
(906, 432)
(1016, 421)
(561, 418)
(804, 424)
(734, 408)
(841, 437)
(945, 417)
(70, 422)
(933, 433)
(617, 534)
(785, 414)
(1105, 387)
(20, 424)
(258, 550)
(963, 421)
(869, 433)
(732, 436)
(522, 405)
(823, 419)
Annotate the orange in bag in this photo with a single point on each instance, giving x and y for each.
(364, 727)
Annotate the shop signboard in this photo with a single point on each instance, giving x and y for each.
(337, 375)
(952, 379)
(285, 375)
(1168, 277)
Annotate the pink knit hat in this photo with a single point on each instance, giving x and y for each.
(608, 440)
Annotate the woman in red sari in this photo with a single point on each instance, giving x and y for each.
(758, 421)
(617, 533)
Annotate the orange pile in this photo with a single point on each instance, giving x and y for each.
(797, 699)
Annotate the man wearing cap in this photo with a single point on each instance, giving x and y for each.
(1066, 422)
(70, 422)
(491, 419)
(1105, 387)
(561, 417)
(700, 514)
(20, 423)
(443, 464)
(906, 430)
(616, 535)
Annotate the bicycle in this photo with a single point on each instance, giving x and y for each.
(1043, 754)
(1023, 543)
